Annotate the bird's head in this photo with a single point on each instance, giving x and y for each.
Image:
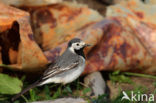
(77, 44)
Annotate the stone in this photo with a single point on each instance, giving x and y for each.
(64, 100)
(151, 2)
(96, 82)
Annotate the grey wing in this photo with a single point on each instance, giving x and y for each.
(54, 70)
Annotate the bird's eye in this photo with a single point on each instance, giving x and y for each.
(77, 44)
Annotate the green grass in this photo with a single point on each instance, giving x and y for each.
(138, 89)
(100, 99)
(54, 91)
(78, 89)
(119, 77)
(123, 77)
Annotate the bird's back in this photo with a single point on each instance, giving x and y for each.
(67, 58)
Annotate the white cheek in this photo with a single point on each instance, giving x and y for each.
(75, 46)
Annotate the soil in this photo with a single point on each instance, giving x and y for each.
(146, 83)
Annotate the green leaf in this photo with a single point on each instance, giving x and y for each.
(57, 93)
(9, 85)
(67, 89)
(86, 90)
(116, 72)
(120, 78)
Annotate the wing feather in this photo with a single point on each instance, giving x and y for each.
(52, 71)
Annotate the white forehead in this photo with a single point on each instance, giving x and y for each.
(75, 46)
(83, 43)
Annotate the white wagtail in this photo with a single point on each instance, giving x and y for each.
(65, 69)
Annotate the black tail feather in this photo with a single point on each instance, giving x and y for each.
(25, 90)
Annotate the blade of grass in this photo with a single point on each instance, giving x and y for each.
(77, 84)
(11, 67)
(140, 75)
(5, 66)
(26, 100)
(57, 93)
(47, 92)
(32, 95)
(3, 98)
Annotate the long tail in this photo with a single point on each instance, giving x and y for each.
(25, 90)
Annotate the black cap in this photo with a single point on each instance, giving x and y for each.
(75, 40)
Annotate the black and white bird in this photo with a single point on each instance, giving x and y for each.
(65, 69)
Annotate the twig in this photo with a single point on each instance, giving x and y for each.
(83, 84)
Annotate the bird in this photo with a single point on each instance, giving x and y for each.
(65, 69)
